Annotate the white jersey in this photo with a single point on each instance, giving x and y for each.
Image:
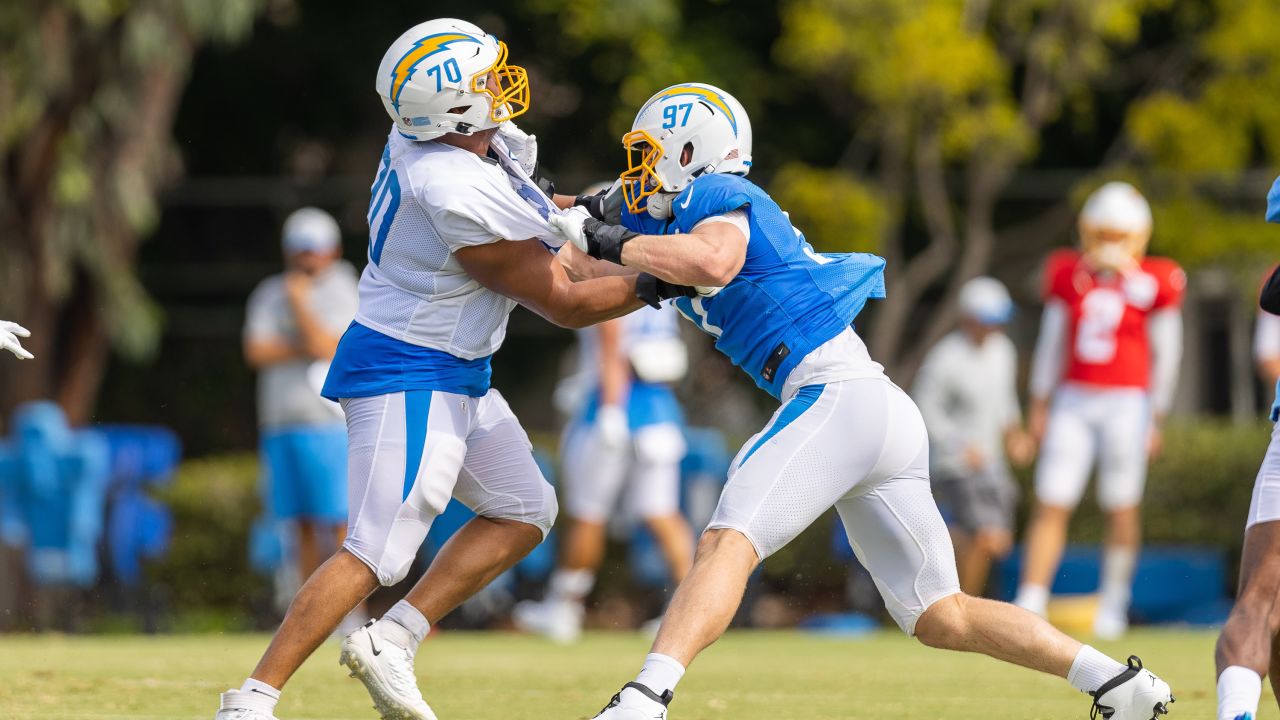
(428, 201)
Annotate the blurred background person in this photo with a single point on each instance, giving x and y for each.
(1266, 345)
(625, 442)
(967, 392)
(9, 334)
(1107, 357)
(292, 326)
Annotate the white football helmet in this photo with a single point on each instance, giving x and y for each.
(681, 133)
(1115, 226)
(449, 76)
(986, 301)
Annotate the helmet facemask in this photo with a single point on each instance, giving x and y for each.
(1113, 249)
(640, 180)
(506, 85)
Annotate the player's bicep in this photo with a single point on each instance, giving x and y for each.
(725, 241)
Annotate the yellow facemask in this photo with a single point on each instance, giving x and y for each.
(640, 179)
(509, 87)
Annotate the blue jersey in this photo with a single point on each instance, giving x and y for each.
(787, 300)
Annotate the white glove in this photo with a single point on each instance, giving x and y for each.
(9, 334)
(568, 226)
(611, 426)
(523, 146)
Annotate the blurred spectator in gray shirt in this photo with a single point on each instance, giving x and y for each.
(968, 396)
(292, 327)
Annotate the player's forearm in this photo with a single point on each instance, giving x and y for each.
(1269, 370)
(316, 341)
(683, 259)
(1046, 363)
(585, 303)
(1165, 328)
(262, 353)
(615, 371)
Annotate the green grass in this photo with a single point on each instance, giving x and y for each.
(466, 676)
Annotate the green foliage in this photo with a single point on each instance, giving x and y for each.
(835, 211)
(214, 503)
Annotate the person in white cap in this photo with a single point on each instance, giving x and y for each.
(292, 327)
(967, 392)
(1102, 380)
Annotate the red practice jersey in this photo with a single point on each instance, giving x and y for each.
(1108, 343)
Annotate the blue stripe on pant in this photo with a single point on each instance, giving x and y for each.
(804, 399)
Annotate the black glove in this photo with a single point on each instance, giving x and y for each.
(605, 241)
(546, 185)
(1270, 298)
(653, 291)
(605, 205)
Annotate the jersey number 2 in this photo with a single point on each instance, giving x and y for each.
(1101, 312)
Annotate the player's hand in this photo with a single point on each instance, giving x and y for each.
(598, 239)
(653, 290)
(523, 146)
(9, 334)
(974, 458)
(297, 285)
(568, 227)
(1020, 447)
(1155, 441)
(611, 424)
(1038, 418)
(605, 205)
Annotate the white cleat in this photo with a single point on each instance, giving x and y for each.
(386, 670)
(241, 705)
(559, 621)
(1135, 694)
(1110, 624)
(636, 702)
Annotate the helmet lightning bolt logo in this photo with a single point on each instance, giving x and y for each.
(421, 50)
(701, 93)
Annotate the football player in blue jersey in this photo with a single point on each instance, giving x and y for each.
(1250, 643)
(844, 436)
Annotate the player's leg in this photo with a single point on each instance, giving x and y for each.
(899, 536)
(1122, 476)
(515, 507)
(817, 446)
(1061, 474)
(994, 499)
(1246, 648)
(393, 498)
(593, 475)
(654, 494)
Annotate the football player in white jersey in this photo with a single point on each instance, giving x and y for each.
(458, 236)
(1249, 648)
(625, 437)
(843, 436)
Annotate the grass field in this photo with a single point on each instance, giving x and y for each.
(478, 676)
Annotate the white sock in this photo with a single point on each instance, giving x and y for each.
(264, 697)
(570, 585)
(1033, 597)
(660, 672)
(1117, 579)
(1239, 689)
(405, 626)
(1091, 668)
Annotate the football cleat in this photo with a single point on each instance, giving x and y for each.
(242, 705)
(636, 702)
(559, 621)
(386, 669)
(1135, 694)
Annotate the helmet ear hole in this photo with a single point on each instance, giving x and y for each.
(686, 154)
(460, 110)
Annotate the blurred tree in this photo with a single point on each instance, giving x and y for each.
(88, 92)
(937, 87)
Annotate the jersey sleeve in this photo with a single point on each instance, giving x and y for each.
(1171, 283)
(260, 319)
(471, 210)
(708, 196)
(1058, 268)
